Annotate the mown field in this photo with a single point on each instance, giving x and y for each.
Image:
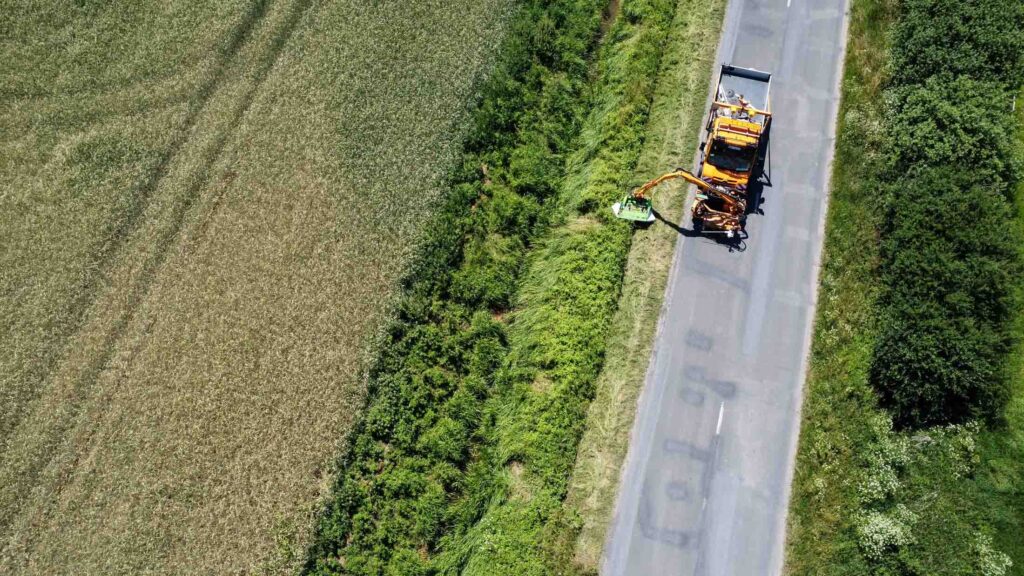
(910, 457)
(204, 207)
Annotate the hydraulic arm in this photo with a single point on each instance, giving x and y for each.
(732, 157)
(719, 207)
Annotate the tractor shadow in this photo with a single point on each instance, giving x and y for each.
(735, 244)
(763, 168)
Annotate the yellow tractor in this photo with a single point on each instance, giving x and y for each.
(731, 157)
(717, 208)
(737, 128)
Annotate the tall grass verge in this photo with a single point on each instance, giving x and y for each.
(868, 496)
(563, 312)
(478, 404)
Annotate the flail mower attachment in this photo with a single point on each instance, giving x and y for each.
(634, 209)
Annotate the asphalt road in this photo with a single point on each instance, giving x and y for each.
(706, 482)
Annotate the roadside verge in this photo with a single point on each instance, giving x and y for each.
(880, 488)
(671, 138)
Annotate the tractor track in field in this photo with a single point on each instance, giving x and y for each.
(118, 236)
(231, 68)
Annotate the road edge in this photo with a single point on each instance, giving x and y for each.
(624, 515)
(779, 550)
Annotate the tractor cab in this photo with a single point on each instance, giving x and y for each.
(731, 153)
(737, 128)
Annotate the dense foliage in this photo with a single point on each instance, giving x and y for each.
(417, 474)
(478, 399)
(976, 38)
(563, 312)
(949, 249)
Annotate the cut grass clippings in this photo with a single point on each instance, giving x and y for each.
(670, 140)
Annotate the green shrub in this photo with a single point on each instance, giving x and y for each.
(982, 39)
(948, 264)
(948, 241)
(961, 123)
(938, 369)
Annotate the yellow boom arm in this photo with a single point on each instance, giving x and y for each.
(727, 196)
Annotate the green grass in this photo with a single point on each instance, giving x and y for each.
(464, 457)
(204, 209)
(670, 139)
(839, 402)
(866, 499)
(1002, 449)
(566, 303)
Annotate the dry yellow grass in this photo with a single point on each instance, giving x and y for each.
(203, 210)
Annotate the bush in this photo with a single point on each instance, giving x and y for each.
(961, 123)
(991, 562)
(980, 39)
(938, 370)
(948, 241)
(948, 265)
(882, 532)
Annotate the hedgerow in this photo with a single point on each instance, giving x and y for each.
(945, 331)
(418, 472)
(462, 459)
(949, 248)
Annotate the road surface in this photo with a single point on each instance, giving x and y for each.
(706, 482)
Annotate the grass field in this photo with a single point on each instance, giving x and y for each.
(868, 499)
(204, 208)
(670, 140)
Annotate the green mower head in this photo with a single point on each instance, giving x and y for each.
(634, 209)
